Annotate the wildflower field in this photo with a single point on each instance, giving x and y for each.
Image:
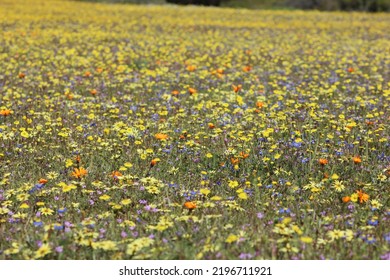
(164, 132)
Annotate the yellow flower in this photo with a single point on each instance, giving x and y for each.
(334, 177)
(24, 134)
(107, 245)
(376, 204)
(336, 234)
(231, 238)
(243, 195)
(43, 251)
(24, 206)
(22, 197)
(104, 197)
(306, 239)
(354, 197)
(338, 186)
(204, 191)
(68, 163)
(68, 188)
(138, 245)
(233, 184)
(126, 201)
(46, 211)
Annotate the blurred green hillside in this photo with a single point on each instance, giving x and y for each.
(325, 5)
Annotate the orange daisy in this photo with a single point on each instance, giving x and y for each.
(357, 159)
(189, 205)
(5, 112)
(79, 172)
(161, 136)
(323, 161)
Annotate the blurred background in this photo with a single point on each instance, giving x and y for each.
(323, 5)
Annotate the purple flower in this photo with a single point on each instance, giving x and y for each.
(386, 256)
(245, 256)
(260, 215)
(68, 224)
(59, 249)
(123, 234)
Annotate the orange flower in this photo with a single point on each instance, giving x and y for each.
(244, 155)
(99, 70)
(237, 88)
(5, 112)
(42, 181)
(191, 68)
(357, 159)
(211, 126)
(161, 136)
(175, 92)
(350, 70)
(363, 197)
(93, 91)
(21, 75)
(87, 74)
(77, 158)
(323, 161)
(220, 71)
(189, 205)
(79, 172)
(346, 199)
(116, 174)
(259, 104)
(69, 95)
(234, 160)
(154, 161)
(247, 68)
(192, 91)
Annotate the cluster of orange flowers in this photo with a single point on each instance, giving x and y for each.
(362, 196)
(355, 159)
